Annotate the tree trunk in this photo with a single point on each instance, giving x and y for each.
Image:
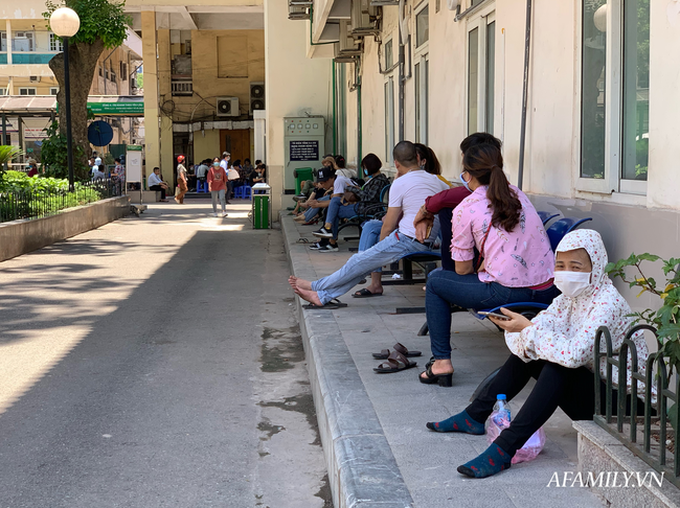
(82, 65)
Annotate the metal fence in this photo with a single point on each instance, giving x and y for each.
(649, 432)
(36, 203)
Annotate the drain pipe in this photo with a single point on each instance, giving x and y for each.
(525, 93)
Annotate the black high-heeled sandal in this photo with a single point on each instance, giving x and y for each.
(445, 380)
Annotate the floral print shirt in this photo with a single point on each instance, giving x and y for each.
(565, 332)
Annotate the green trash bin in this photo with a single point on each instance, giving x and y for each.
(302, 174)
(261, 211)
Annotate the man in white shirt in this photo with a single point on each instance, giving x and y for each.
(397, 237)
(155, 183)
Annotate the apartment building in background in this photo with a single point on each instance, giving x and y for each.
(28, 88)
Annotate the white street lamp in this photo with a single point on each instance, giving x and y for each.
(65, 23)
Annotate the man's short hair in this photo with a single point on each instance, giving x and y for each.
(405, 153)
(479, 138)
(225, 154)
(117, 159)
(156, 168)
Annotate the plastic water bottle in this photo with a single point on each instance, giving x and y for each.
(502, 414)
(500, 419)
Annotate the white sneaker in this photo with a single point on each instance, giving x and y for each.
(216, 214)
(329, 248)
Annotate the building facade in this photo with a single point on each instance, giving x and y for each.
(600, 122)
(26, 47)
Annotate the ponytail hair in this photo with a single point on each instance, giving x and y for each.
(426, 153)
(485, 163)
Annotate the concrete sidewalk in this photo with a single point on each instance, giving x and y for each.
(378, 450)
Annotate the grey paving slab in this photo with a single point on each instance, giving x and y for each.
(389, 411)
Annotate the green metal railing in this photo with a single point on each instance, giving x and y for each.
(34, 204)
(654, 454)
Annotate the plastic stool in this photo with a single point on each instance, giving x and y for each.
(201, 186)
(246, 192)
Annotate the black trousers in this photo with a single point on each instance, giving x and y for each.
(158, 187)
(556, 386)
(445, 222)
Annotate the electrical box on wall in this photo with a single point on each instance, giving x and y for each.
(304, 142)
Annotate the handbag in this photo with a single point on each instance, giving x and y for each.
(233, 174)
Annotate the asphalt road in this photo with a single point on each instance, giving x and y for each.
(156, 362)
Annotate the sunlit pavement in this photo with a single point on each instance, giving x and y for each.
(148, 363)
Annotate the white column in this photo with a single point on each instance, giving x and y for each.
(8, 30)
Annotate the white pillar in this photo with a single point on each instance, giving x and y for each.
(8, 30)
(260, 127)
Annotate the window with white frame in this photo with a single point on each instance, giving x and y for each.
(422, 24)
(421, 71)
(56, 44)
(54, 90)
(389, 54)
(614, 95)
(389, 118)
(481, 71)
(3, 91)
(28, 90)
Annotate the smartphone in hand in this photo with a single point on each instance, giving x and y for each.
(497, 315)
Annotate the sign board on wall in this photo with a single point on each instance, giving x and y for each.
(133, 163)
(304, 151)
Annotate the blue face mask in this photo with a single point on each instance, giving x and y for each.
(367, 175)
(466, 184)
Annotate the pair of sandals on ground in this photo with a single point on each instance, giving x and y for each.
(398, 360)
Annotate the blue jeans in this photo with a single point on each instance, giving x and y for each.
(370, 235)
(389, 250)
(446, 287)
(312, 212)
(337, 211)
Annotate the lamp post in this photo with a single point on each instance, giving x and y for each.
(65, 23)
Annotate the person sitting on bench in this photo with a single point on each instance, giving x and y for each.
(156, 183)
(555, 348)
(500, 223)
(355, 200)
(407, 194)
(442, 204)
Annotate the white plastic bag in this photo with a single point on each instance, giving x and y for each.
(531, 448)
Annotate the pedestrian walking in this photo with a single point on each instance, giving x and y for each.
(217, 183)
(181, 180)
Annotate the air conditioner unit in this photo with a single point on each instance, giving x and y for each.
(227, 106)
(347, 46)
(34, 79)
(256, 96)
(364, 17)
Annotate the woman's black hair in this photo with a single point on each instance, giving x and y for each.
(426, 153)
(340, 161)
(371, 163)
(485, 163)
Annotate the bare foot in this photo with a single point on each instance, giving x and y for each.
(293, 282)
(308, 295)
(300, 283)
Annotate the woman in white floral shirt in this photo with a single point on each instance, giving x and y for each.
(555, 348)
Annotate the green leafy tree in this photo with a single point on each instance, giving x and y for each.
(7, 154)
(103, 25)
(54, 158)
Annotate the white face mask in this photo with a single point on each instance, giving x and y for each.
(572, 284)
